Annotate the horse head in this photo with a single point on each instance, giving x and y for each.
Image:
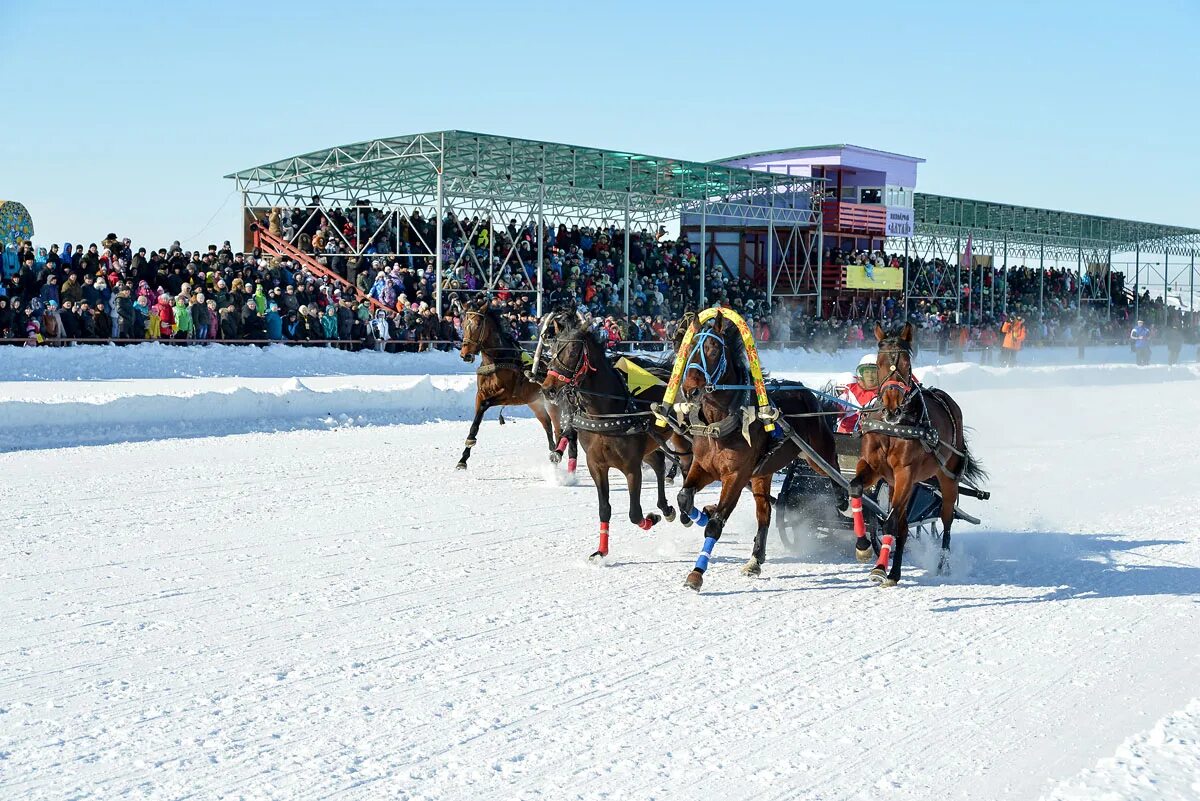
(478, 329)
(709, 359)
(570, 356)
(894, 360)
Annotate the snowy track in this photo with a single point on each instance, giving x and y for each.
(207, 617)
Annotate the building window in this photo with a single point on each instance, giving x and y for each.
(872, 194)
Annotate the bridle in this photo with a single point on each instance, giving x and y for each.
(906, 384)
(711, 374)
(577, 372)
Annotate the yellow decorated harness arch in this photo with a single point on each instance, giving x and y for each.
(681, 358)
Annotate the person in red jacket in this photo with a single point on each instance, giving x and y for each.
(860, 391)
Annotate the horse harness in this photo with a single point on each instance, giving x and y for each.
(921, 430)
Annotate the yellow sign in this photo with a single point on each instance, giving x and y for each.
(885, 278)
(760, 388)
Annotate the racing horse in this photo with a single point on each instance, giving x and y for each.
(730, 442)
(500, 379)
(916, 434)
(595, 402)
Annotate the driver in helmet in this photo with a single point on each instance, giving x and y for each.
(859, 392)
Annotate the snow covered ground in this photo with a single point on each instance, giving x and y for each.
(278, 587)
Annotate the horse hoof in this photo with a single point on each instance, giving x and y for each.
(555, 457)
(598, 556)
(686, 520)
(889, 582)
(752, 568)
(460, 466)
(877, 575)
(669, 514)
(944, 563)
(694, 580)
(865, 555)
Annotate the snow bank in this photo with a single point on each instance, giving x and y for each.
(1163, 763)
(49, 415)
(154, 360)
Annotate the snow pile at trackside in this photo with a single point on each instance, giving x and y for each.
(1162, 763)
(155, 360)
(46, 415)
(184, 397)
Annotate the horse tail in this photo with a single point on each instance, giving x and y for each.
(975, 472)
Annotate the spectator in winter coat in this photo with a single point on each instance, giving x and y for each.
(166, 316)
(1014, 338)
(231, 330)
(183, 319)
(141, 318)
(274, 323)
(252, 323)
(214, 319)
(199, 314)
(329, 323)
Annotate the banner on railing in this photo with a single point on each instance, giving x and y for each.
(859, 276)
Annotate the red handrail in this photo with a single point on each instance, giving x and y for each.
(267, 241)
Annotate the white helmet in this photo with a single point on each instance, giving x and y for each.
(868, 359)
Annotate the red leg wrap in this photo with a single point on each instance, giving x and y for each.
(571, 464)
(885, 551)
(646, 524)
(860, 526)
(562, 445)
(603, 538)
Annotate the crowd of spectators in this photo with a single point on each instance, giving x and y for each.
(110, 291)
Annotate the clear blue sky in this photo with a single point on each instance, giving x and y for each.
(123, 116)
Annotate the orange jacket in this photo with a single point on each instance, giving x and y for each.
(1014, 334)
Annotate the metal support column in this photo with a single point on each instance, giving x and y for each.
(1166, 281)
(628, 276)
(1079, 283)
(437, 238)
(958, 280)
(820, 264)
(992, 293)
(1041, 277)
(1004, 297)
(904, 277)
(1192, 288)
(541, 245)
(703, 248)
(1108, 273)
(1137, 276)
(770, 253)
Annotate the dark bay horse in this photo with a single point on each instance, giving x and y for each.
(731, 445)
(615, 428)
(500, 379)
(916, 434)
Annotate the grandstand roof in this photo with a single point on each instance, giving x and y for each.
(408, 165)
(985, 221)
(808, 148)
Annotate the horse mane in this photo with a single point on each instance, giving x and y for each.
(501, 327)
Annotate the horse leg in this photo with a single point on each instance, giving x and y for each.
(898, 536)
(572, 451)
(697, 479)
(502, 421)
(949, 489)
(864, 476)
(600, 478)
(543, 416)
(658, 463)
(481, 406)
(633, 480)
(731, 489)
(761, 487)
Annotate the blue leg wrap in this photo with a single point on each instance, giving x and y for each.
(705, 554)
(698, 517)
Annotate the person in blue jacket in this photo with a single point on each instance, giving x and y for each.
(1140, 335)
(274, 323)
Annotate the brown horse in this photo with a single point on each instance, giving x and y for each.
(915, 435)
(500, 379)
(730, 443)
(615, 428)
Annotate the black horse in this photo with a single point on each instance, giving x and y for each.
(615, 428)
